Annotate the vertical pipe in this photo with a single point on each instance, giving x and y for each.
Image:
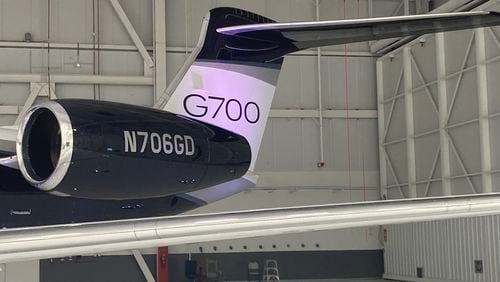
(381, 128)
(410, 123)
(320, 100)
(484, 123)
(444, 143)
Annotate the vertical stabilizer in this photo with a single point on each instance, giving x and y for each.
(229, 82)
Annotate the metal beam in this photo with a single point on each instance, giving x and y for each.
(410, 124)
(9, 110)
(132, 33)
(381, 129)
(90, 238)
(444, 143)
(484, 122)
(143, 266)
(8, 133)
(76, 79)
(169, 49)
(160, 48)
(36, 89)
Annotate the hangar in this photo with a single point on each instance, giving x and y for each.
(412, 117)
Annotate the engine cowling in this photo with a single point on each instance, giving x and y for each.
(104, 150)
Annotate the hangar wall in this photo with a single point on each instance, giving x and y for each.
(438, 116)
(445, 250)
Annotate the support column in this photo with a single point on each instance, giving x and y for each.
(381, 129)
(484, 122)
(162, 265)
(444, 143)
(160, 48)
(409, 118)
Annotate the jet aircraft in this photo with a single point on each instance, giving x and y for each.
(79, 161)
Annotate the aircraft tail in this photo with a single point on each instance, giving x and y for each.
(228, 82)
(230, 78)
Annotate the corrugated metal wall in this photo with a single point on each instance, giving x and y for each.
(446, 250)
(448, 156)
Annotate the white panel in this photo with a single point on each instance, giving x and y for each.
(455, 55)
(426, 117)
(360, 82)
(28, 271)
(423, 53)
(121, 63)
(76, 91)
(297, 87)
(111, 29)
(392, 75)
(492, 71)
(20, 89)
(466, 107)
(469, 151)
(135, 95)
(15, 60)
(71, 21)
(397, 155)
(397, 126)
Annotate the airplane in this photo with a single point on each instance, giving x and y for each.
(78, 162)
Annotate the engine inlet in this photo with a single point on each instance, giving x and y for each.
(44, 145)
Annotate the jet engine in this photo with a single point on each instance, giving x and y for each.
(104, 150)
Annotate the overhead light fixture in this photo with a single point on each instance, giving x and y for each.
(422, 41)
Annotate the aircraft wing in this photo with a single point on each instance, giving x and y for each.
(92, 238)
(305, 35)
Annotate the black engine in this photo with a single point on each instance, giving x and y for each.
(104, 150)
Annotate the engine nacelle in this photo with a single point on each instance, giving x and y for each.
(105, 150)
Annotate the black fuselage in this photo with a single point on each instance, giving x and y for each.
(123, 162)
(21, 205)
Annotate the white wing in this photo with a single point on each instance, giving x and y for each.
(91, 238)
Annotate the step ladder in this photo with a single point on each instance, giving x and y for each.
(270, 272)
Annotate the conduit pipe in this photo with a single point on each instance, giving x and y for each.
(321, 162)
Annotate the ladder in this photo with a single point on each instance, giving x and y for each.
(270, 272)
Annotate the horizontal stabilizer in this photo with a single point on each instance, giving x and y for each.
(305, 35)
